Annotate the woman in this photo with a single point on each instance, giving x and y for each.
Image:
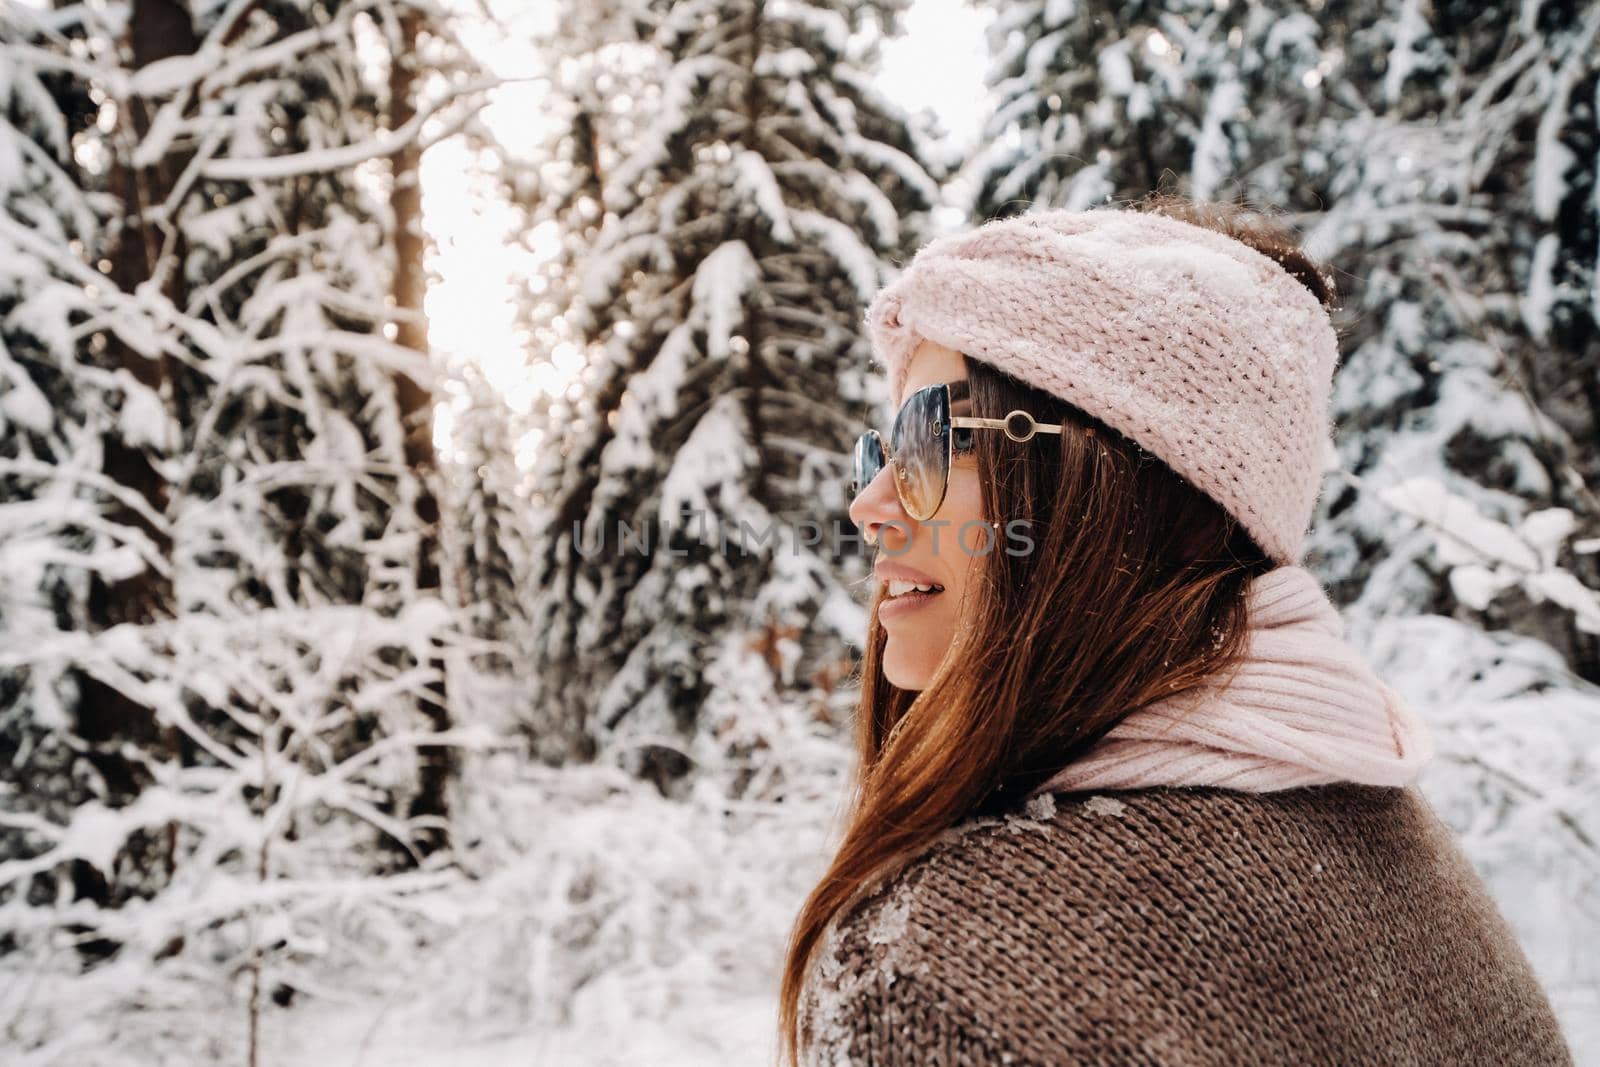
(1124, 794)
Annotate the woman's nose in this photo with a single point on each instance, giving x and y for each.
(877, 504)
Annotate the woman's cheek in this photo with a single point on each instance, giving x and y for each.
(965, 537)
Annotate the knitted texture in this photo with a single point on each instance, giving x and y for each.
(1334, 924)
(1302, 709)
(1200, 349)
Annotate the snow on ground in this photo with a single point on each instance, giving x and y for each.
(598, 923)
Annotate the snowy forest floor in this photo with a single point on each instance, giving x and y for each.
(597, 923)
(653, 938)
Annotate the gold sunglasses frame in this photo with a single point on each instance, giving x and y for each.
(1018, 425)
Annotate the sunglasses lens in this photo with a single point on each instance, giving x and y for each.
(868, 461)
(922, 451)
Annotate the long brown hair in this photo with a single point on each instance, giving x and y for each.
(1132, 590)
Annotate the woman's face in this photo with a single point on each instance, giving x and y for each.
(942, 552)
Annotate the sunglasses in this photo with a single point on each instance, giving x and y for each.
(925, 438)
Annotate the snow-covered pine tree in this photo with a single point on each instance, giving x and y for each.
(487, 410)
(247, 348)
(595, 54)
(740, 233)
(1461, 204)
(486, 539)
(1442, 158)
(82, 428)
(310, 616)
(1104, 101)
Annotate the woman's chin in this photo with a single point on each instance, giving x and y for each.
(905, 668)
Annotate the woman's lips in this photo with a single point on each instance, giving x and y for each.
(905, 589)
(894, 607)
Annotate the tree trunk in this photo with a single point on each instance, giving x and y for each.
(107, 718)
(416, 402)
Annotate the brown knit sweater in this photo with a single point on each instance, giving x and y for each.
(1335, 924)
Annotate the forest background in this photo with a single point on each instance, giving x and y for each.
(330, 330)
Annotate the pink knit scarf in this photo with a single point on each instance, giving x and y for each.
(1303, 709)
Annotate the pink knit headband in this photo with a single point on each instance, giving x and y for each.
(1202, 350)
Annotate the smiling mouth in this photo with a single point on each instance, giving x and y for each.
(896, 589)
